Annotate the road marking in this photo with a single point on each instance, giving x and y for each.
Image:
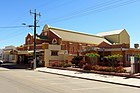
(92, 88)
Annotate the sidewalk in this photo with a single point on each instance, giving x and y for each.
(133, 82)
(3, 69)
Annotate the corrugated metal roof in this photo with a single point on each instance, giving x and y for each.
(114, 32)
(67, 35)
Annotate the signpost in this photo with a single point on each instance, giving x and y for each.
(132, 65)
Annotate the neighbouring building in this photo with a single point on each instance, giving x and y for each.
(0, 54)
(9, 54)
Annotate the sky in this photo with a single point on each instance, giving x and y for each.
(87, 16)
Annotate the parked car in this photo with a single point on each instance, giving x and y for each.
(1, 61)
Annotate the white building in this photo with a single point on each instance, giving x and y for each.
(8, 55)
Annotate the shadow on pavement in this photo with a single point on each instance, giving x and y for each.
(11, 65)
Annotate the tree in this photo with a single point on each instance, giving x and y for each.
(113, 58)
(138, 57)
(92, 57)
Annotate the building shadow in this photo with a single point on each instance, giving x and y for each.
(11, 65)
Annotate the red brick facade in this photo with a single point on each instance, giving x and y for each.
(73, 47)
(53, 38)
(106, 45)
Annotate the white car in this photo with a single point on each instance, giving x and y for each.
(1, 61)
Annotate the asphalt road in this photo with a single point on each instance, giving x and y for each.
(28, 81)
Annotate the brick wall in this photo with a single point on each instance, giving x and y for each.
(73, 47)
(52, 36)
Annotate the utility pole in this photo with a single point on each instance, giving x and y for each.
(35, 22)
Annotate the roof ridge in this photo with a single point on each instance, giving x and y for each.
(110, 32)
(71, 31)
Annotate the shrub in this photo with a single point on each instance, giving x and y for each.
(66, 65)
(55, 64)
(102, 68)
(87, 67)
(91, 57)
(113, 58)
(76, 60)
(61, 64)
(120, 69)
(109, 69)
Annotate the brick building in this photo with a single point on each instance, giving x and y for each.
(55, 44)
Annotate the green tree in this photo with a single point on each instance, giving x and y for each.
(138, 57)
(113, 58)
(93, 57)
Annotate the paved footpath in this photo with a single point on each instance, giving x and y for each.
(3, 69)
(133, 82)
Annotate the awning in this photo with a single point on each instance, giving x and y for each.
(28, 52)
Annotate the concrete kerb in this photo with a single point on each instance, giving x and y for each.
(3, 69)
(90, 79)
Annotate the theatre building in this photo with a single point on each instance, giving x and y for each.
(54, 44)
(59, 45)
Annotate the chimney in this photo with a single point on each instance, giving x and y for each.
(136, 46)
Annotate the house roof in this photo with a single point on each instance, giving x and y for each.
(72, 36)
(114, 32)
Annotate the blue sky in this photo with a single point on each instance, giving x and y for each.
(88, 16)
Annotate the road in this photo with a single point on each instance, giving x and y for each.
(28, 81)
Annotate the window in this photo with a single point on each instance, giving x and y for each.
(13, 57)
(54, 53)
(28, 40)
(128, 57)
(54, 41)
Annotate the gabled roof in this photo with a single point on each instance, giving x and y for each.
(114, 32)
(104, 45)
(72, 36)
(29, 34)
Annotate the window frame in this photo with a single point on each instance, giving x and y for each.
(54, 53)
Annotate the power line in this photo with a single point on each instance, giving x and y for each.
(88, 8)
(96, 9)
(79, 11)
(12, 37)
(89, 12)
(60, 5)
(49, 2)
(12, 26)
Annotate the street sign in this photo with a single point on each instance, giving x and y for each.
(132, 64)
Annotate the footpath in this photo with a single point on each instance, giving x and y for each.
(3, 69)
(133, 82)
